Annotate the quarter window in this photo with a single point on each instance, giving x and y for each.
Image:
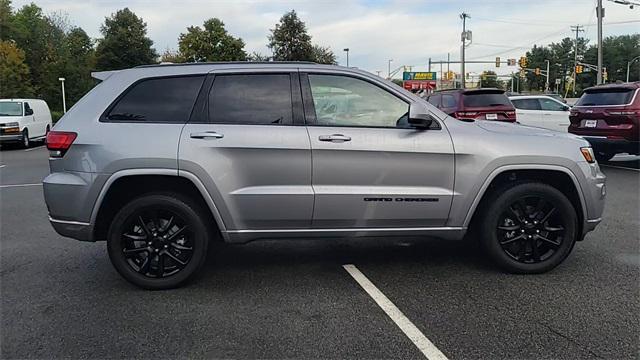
(346, 101)
(251, 99)
(167, 100)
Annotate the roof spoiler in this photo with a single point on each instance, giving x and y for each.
(103, 75)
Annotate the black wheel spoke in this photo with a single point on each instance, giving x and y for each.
(180, 247)
(539, 207)
(144, 226)
(549, 241)
(509, 241)
(144, 268)
(135, 237)
(509, 228)
(516, 214)
(548, 215)
(535, 251)
(554, 228)
(178, 232)
(135, 251)
(168, 225)
(175, 258)
(160, 270)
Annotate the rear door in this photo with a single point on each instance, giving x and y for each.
(528, 112)
(247, 143)
(370, 169)
(555, 115)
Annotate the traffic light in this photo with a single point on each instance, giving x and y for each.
(498, 61)
(537, 71)
(522, 73)
(523, 62)
(511, 62)
(579, 69)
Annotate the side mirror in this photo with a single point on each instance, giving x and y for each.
(28, 112)
(419, 117)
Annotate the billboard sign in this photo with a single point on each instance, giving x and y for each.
(412, 75)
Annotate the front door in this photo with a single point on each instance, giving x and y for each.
(554, 114)
(244, 143)
(370, 168)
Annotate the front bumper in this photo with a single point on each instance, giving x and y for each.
(594, 192)
(73, 229)
(10, 138)
(602, 143)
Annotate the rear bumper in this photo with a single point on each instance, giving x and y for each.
(602, 143)
(10, 138)
(73, 229)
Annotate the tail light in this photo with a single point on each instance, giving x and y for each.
(511, 114)
(58, 142)
(466, 114)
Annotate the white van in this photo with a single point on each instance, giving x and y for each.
(24, 120)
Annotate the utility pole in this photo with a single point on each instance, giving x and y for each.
(577, 29)
(347, 51)
(600, 13)
(64, 99)
(546, 85)
(378, 72)
(463, 38)
(389, 69)
(629, 65)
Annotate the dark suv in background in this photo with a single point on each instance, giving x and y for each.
(608, 116)
(475, 104)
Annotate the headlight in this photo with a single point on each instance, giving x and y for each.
(587, 152)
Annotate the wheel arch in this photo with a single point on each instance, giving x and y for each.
(559, 177)
(125, 184)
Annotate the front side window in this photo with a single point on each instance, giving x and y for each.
(10, 108)
(254, 99)
(167, 100)
(551, 105)
(346, 101)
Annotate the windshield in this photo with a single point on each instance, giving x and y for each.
(606, 97)
(485, 99)
(8, 108)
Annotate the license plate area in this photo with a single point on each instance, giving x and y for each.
(491, 116)
(590, 123)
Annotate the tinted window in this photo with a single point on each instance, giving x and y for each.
(480, 99)
(251, 99)
(346, 101)
(449, 101)
(434, 100)
(606, 97)
(551, 105)
(158, 100)
(10, 108)
(526, 104)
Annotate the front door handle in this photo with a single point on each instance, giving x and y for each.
(334, 138)
(206, 135)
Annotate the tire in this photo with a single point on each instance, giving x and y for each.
(523, 235)
(602, 156)
(165, 237)
(26, 142)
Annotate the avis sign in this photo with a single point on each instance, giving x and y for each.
(407, 75)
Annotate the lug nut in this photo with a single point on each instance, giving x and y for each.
(166, 246)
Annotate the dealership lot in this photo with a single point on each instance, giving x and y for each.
(294, 299)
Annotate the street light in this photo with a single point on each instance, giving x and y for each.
(389, 69)
(347, 51)
(629, 65)
(64, 101)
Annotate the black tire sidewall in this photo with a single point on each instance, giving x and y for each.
(25, 139)
(190, 214)
(493, 211)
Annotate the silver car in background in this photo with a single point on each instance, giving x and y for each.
(161, 160)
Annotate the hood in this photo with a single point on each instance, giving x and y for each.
(517, 129)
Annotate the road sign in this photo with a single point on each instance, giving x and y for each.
(497, 61)
(511, 62)
(409, 75)
(558, 81)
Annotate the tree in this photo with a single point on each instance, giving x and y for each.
(171, 56)
(490, 80)
(6, 20)
(14, 73)
(323, 55)
(79, 60)
(289, 40)
(256, 56)
(125, 43)
(210, 43)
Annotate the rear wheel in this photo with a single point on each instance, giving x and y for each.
(25, 139)
(528, 228)
(158, 241)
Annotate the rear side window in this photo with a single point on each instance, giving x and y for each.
(479, 99)
(526, 104)
(166, 100)
(606, 97)
(263, 99)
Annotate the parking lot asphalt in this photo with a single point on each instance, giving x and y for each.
(61, 298)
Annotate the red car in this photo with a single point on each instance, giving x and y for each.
(608, 116)
(474, 104)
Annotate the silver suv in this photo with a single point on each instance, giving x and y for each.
(161, 160)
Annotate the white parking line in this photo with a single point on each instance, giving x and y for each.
(423, 344)
(1, 166)
(619, 167)
(34, 148)
(19, 185)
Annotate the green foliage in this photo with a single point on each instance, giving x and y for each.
(289, 40)
(14, 73)
(323, 55)
(171, 57)
(56, 115)
(125, 43)
(490, 80)
(212, 42)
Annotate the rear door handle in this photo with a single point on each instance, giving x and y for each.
(206, 135)
(334, 138)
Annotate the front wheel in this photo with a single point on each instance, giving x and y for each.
(158, 241)
(528, 228)
(26, 142)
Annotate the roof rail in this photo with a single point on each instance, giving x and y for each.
(227, 63)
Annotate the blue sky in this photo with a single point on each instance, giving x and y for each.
(407, 31)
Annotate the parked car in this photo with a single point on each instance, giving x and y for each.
(541, 111)
(608, 116)
(161, 160)
(474, 104)
(24, 120)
